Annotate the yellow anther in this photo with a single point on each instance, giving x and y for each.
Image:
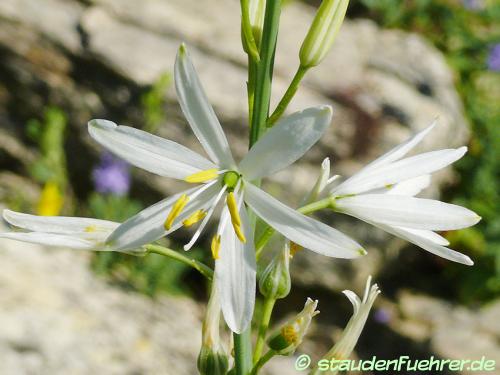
(233, 209)
(194, 218)
(202, 176)
(235, 216)
(176, 210)
(239, 233)
(294, 249)
(290, 335)
(215, 246)
(90, 229)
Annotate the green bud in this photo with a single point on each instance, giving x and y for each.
(256, 12)
(291, 334)
(322, 32)
(212, 363)
(275, 281)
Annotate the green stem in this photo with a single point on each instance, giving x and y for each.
(262, 361)
(267, 311)
(259, 113)
(268, 232)
(200, 267)
(252, 71)
(289, 94)
(243, 352)
(265, 70)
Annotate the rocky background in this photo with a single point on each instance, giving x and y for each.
(94, 59)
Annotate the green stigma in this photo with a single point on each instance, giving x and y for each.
(231, 179)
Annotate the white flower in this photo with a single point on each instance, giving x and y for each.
(344, 347)
(382, 194)
(219, 178)
(60, 231)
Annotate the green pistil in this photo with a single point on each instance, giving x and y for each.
(231, 179)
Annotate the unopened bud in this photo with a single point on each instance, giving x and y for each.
(256, 12)
(211, 362)
(212, 359)
(275, 281)
(290, 335)
(322, 32)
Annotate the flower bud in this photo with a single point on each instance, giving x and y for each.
(212, 359)
(256, 12)
(275, 281)
(290, 335)
(322, 32)
(211, 362)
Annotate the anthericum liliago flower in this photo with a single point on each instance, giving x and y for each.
(221, 179)
(383, 194)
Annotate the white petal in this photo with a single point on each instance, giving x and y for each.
(356, 302)
(199, 112)
(412, 186)
(148, 151)
(58, 224)
(148, 225)
(299, 228)
(406, 211)
(321, 183)
(401, 170)
(286, 142)
(51, 239)
(427, 244)
(211, 208)
(332, 183)
(399, 151)
(426, 234)
(235, 275)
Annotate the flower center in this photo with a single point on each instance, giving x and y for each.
(231, 179)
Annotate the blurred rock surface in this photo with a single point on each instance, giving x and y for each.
(58, 318)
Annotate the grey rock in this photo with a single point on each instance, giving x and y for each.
(489, 318)
(58, 318)
(452, 331)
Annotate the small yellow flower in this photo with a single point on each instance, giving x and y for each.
(51, 200)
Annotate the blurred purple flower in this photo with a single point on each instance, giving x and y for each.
(112, 175)
(382, 316)
(494, 58)
(473, 4)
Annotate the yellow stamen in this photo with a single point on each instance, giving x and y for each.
(176, 210)
(235, 216)
(202, 176)
(233, 209)
(239, 233)
(215, 246)
(294, 249)
(194, 218)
